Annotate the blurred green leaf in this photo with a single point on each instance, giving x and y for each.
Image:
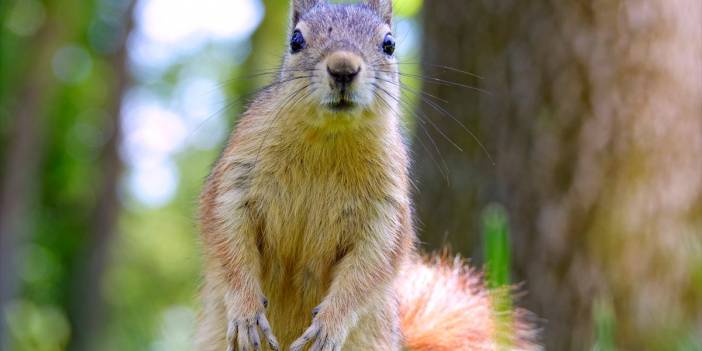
(605, 325)
(496, 246)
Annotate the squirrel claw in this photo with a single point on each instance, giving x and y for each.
(245, 321)
(309, 334)
(323, 340)
(242, 335)
(262, 322)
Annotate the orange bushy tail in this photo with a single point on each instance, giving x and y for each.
(444, 306)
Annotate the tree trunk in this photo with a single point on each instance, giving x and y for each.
(88, 306)
(261, 64)
(22, 161)
(595, 119)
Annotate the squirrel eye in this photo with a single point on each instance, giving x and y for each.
(297, 42)
(389, 44)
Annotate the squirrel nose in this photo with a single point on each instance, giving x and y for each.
(343, 67)
(343, 75)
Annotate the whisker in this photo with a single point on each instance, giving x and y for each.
(240, 99)
(278, 114)
(402, 85)
(439, 81)
(443, 67)
(429, 120)
(445, 112)
(266, 72)
(444, 171)
(442, 110)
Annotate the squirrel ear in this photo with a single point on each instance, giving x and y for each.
(299, 7)
(383, 8)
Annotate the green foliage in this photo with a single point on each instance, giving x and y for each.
(407, 8)
(605, 326)
(401, 8)
(37, 328)
(496, 246)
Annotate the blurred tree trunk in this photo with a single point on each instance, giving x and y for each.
(595, 119)
(22, 159)
(88, 307)
(266, 49)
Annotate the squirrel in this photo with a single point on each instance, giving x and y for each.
(306, 218)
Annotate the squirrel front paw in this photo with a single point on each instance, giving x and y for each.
(326, 332)
(244, 324)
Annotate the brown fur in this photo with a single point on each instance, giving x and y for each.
(310, 207)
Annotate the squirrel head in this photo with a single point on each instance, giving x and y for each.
(344, 54)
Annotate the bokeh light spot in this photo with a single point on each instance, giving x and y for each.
(72, 64)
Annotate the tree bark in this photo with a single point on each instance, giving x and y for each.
(595, 122)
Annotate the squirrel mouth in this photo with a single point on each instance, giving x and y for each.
(343, 104)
